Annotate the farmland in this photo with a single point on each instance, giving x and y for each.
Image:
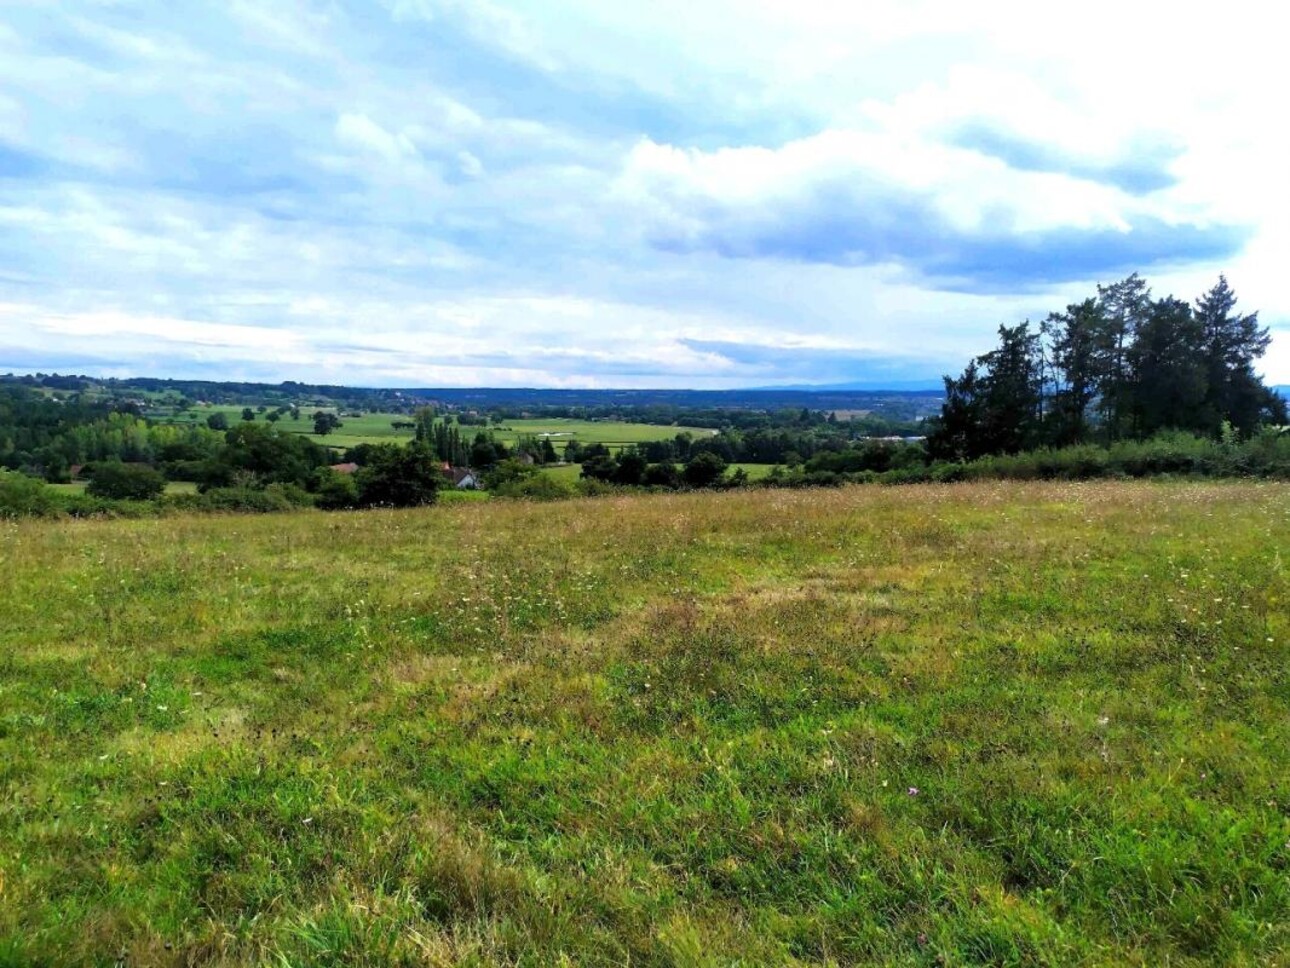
(972, 724)
(374, 428)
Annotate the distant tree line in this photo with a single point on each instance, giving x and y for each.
(1121, 365)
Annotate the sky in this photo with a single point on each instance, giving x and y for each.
(680, 193)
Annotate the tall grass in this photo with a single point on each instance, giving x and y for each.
(981, 724)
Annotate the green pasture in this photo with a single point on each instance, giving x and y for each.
(973, 724)
(372, 428)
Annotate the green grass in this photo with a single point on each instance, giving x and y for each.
(614, 434)
(375, 428)
(755, 472)
(172, 487)
(1032, 724)
(569, 473)
(572, 472)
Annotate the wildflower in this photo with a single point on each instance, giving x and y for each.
(913, 791)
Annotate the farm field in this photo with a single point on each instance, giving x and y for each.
(572, 472)
(613, 434)
(991, 723)
(172, 487)
(370, 428)
(373, 428)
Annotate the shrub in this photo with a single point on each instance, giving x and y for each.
(542, 487)
(126, 482)
(22, 497)
(88, 506)
(335, 491)
(251, 499)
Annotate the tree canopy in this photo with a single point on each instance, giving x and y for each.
(1121, 365)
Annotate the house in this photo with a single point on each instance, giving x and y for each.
(349, 467)
(460, 477)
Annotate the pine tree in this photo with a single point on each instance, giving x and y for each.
(1080, 337)
(1167, 365)
(1124, 305)
(1232, 343)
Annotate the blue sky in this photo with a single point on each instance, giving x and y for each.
(706, 193)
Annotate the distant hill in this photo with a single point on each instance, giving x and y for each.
(935, 387)
(767, 398)
(908, 400)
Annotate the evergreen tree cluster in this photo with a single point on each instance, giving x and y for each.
(1119, 366)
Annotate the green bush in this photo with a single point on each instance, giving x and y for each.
(542, 487)
(334, 491)
(126, 482)
(89, 506)
(23, 497)
(252, 499)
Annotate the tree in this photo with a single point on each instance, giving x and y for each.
(703, 470)
(1124, 305)
(258, 452)
(399, 477)
(248, 413)
(1232, 342)
(485, 451)
(1167, 384)
(1080, 339)
(126, 482)
(662, 475)
(996, 406)
(601, 467)
(217, 421)
(955, 433)
(1012, 410)
(631, 468)
(325, 422)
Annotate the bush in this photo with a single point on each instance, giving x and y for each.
(703, 470)
(24, 497)
(88, 506)
(126, 482)
(542, 487)
(334, 491)
(251, 499)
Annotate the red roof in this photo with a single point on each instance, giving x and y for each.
(347, 468)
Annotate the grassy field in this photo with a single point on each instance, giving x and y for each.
(373, 428)
(172, 487)
(572, 472)
(613, 434)
(967, 724)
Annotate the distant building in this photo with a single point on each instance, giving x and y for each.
(349, 467)
(460, 477)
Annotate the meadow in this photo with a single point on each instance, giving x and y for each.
(376, 428)
(985, 723)
(612, 433)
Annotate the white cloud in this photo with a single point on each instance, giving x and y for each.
(360, 131)
(567, 181)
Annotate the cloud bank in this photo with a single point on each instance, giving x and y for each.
(461, 192)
